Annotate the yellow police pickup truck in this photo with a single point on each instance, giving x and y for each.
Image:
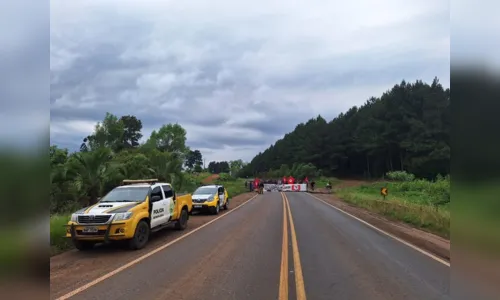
(210, 198)
(130, 212)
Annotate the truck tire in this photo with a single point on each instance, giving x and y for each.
(181, 224)
(141, 236)
(83, 245)
(226, 205)
(216, 209)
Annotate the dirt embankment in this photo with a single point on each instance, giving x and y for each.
(427, 241)
(73, 269)
(210, 179)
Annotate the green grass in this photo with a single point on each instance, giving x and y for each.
(410, 202)
(58, 242)
(322, 181)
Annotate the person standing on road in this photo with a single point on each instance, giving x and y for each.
(261, 187)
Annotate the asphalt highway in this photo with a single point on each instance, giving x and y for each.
(279, 246)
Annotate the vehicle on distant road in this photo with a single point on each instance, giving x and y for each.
(211, 198)
(130, 212)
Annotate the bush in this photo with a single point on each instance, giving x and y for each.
(58, 241)
(225, 177)
(400, 176)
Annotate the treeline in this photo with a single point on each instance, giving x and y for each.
(234, 167)
(407, 128)
(113, 153)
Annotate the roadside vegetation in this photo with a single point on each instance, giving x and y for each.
(113, 153)
(422, 203)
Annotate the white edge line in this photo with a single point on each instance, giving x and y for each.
(141, 258)
(434, 257)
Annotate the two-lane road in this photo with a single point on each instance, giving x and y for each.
(279, 246)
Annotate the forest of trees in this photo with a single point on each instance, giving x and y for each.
(407, 128)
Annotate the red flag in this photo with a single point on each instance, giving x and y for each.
(284, 180)
(306, 180)
(291, 180)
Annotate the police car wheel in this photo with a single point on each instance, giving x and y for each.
(181, 224)
(141, 236)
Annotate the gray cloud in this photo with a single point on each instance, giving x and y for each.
(236, 77)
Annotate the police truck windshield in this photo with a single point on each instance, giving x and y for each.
(126, 194)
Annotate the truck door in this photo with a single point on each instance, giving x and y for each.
(169, 201)
(222, 196)
(159, 212)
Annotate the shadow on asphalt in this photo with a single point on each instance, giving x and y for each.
(122, 246)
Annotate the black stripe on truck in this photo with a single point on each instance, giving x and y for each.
(122, 209)
(81, 211)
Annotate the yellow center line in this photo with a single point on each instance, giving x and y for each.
(283, 291)
(299, 279)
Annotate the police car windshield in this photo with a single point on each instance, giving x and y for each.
(205, 190)
(126, 194)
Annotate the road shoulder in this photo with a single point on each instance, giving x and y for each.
(424, 240)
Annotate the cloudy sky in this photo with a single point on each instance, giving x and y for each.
(237, 75)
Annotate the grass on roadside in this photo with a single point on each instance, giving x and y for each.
(322, 181)
(410, 202)
(58, 242)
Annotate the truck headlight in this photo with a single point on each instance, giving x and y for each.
(122, 216)
(74, 218)
(211, 198)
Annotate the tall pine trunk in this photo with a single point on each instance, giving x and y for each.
(368, 165)
(391, 168)
(401, 160)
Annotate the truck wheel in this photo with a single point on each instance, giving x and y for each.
(83, 245)
(141, 236)
(216, 209)
(181, 224)
(226, 205)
